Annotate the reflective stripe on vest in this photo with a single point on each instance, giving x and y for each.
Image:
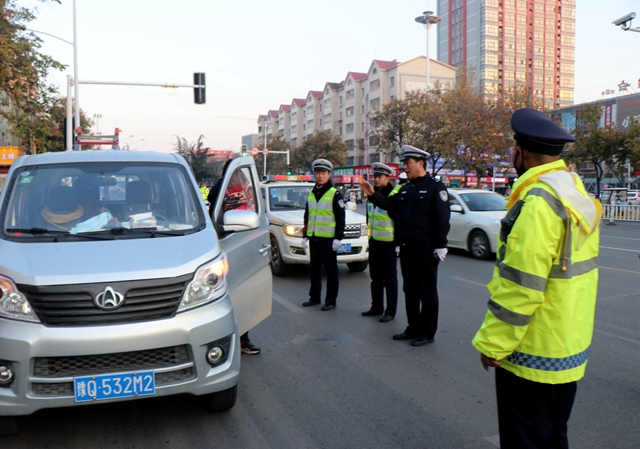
(380, 223)
(549, 363)
(322, 222)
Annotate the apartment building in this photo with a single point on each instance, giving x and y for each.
(343, 108)
(296, 121)
(526, 42)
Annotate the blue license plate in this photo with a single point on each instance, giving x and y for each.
(112, 386)
(344, 248)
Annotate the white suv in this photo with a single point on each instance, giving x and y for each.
(285, 204)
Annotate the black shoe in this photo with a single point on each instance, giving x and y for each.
(249, 348)
(403, 336)
(386, 318)
(310, 303)
(327, 307)
(371, 312)
(421, 341)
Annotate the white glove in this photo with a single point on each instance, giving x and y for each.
(440, 253)
(397, 250)
(304, 243)
(335, 245)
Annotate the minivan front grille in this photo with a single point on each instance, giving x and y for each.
(75, 305)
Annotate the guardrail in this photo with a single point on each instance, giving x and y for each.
(620, 212)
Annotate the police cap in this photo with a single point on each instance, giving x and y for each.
(412, 152)
(321, 165)
(381, 169)
(536, 132)
(402, 175)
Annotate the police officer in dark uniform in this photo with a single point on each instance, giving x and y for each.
(382, 250)
(324, 219)
(421, 215)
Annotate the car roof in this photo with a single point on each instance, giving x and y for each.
(460, 191)
(287, 184)
(63, 157)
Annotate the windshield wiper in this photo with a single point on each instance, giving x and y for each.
(149, 230)
(42, 231)
(36, 231)
(288, 206)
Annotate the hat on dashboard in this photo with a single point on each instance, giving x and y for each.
(536, 132)
(321, 165)
(412, 152)
(381, 169)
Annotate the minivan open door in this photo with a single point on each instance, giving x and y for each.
(242, 227)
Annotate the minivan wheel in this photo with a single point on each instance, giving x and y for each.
(278, 266)
(221, 401)
(8, 426)
(358, 266)
(479, 246)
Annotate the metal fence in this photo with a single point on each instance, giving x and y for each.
(620, 212)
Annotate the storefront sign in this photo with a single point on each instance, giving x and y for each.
(10, 154)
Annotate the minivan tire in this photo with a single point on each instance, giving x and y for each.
(220, 401)
(358, 266)
(278, 266)
(8, 426)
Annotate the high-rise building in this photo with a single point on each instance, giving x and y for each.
(530, 43)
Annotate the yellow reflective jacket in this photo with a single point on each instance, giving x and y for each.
(544, 285)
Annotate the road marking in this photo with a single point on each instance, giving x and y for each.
(619, 238)
(468, 281)
(619, 269)
(286, 303)
(621, 249)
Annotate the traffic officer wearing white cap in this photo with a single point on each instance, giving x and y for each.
(421, 217)
(324, 220)
(382, 253)
(539, 324)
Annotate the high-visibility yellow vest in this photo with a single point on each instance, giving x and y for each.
(380, 224)
(543, 291)
(204, 191)
(322, 222)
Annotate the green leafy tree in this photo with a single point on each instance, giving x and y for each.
(603, 147)
(57, 125)
(23, 78)
(319, 146)
(196, 155)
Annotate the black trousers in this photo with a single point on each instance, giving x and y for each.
(420, 274)
(384, 276)
(323, 255)
(532, 414)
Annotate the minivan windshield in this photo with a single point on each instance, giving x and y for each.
(100, 200)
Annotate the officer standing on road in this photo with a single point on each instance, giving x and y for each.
(324, 220)
(539, 325)
(421, 213)
(382, 252)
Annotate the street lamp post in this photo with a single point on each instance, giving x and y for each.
(427, 19)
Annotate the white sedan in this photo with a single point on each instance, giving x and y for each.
(475, 221)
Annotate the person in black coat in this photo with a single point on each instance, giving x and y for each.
(421, 216)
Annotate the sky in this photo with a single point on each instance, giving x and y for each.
(258, 55)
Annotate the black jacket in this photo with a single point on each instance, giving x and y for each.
(338, 210)
(420, 211)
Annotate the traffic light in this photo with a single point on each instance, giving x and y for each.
(244, 150)
(289, 170)
(198, 88)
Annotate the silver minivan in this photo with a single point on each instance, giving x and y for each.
(116, 284)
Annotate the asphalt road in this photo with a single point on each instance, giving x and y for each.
(337, 379)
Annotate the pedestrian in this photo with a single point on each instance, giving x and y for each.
(421, 213)
(382, 250)
(539, 325)
(324, 219)
(204, 191)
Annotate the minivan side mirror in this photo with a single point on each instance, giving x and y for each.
(456, 208)
(240, 220)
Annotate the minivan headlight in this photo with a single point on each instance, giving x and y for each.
(364, 230)
(209, 284)
(292, 230)
(14, 304)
